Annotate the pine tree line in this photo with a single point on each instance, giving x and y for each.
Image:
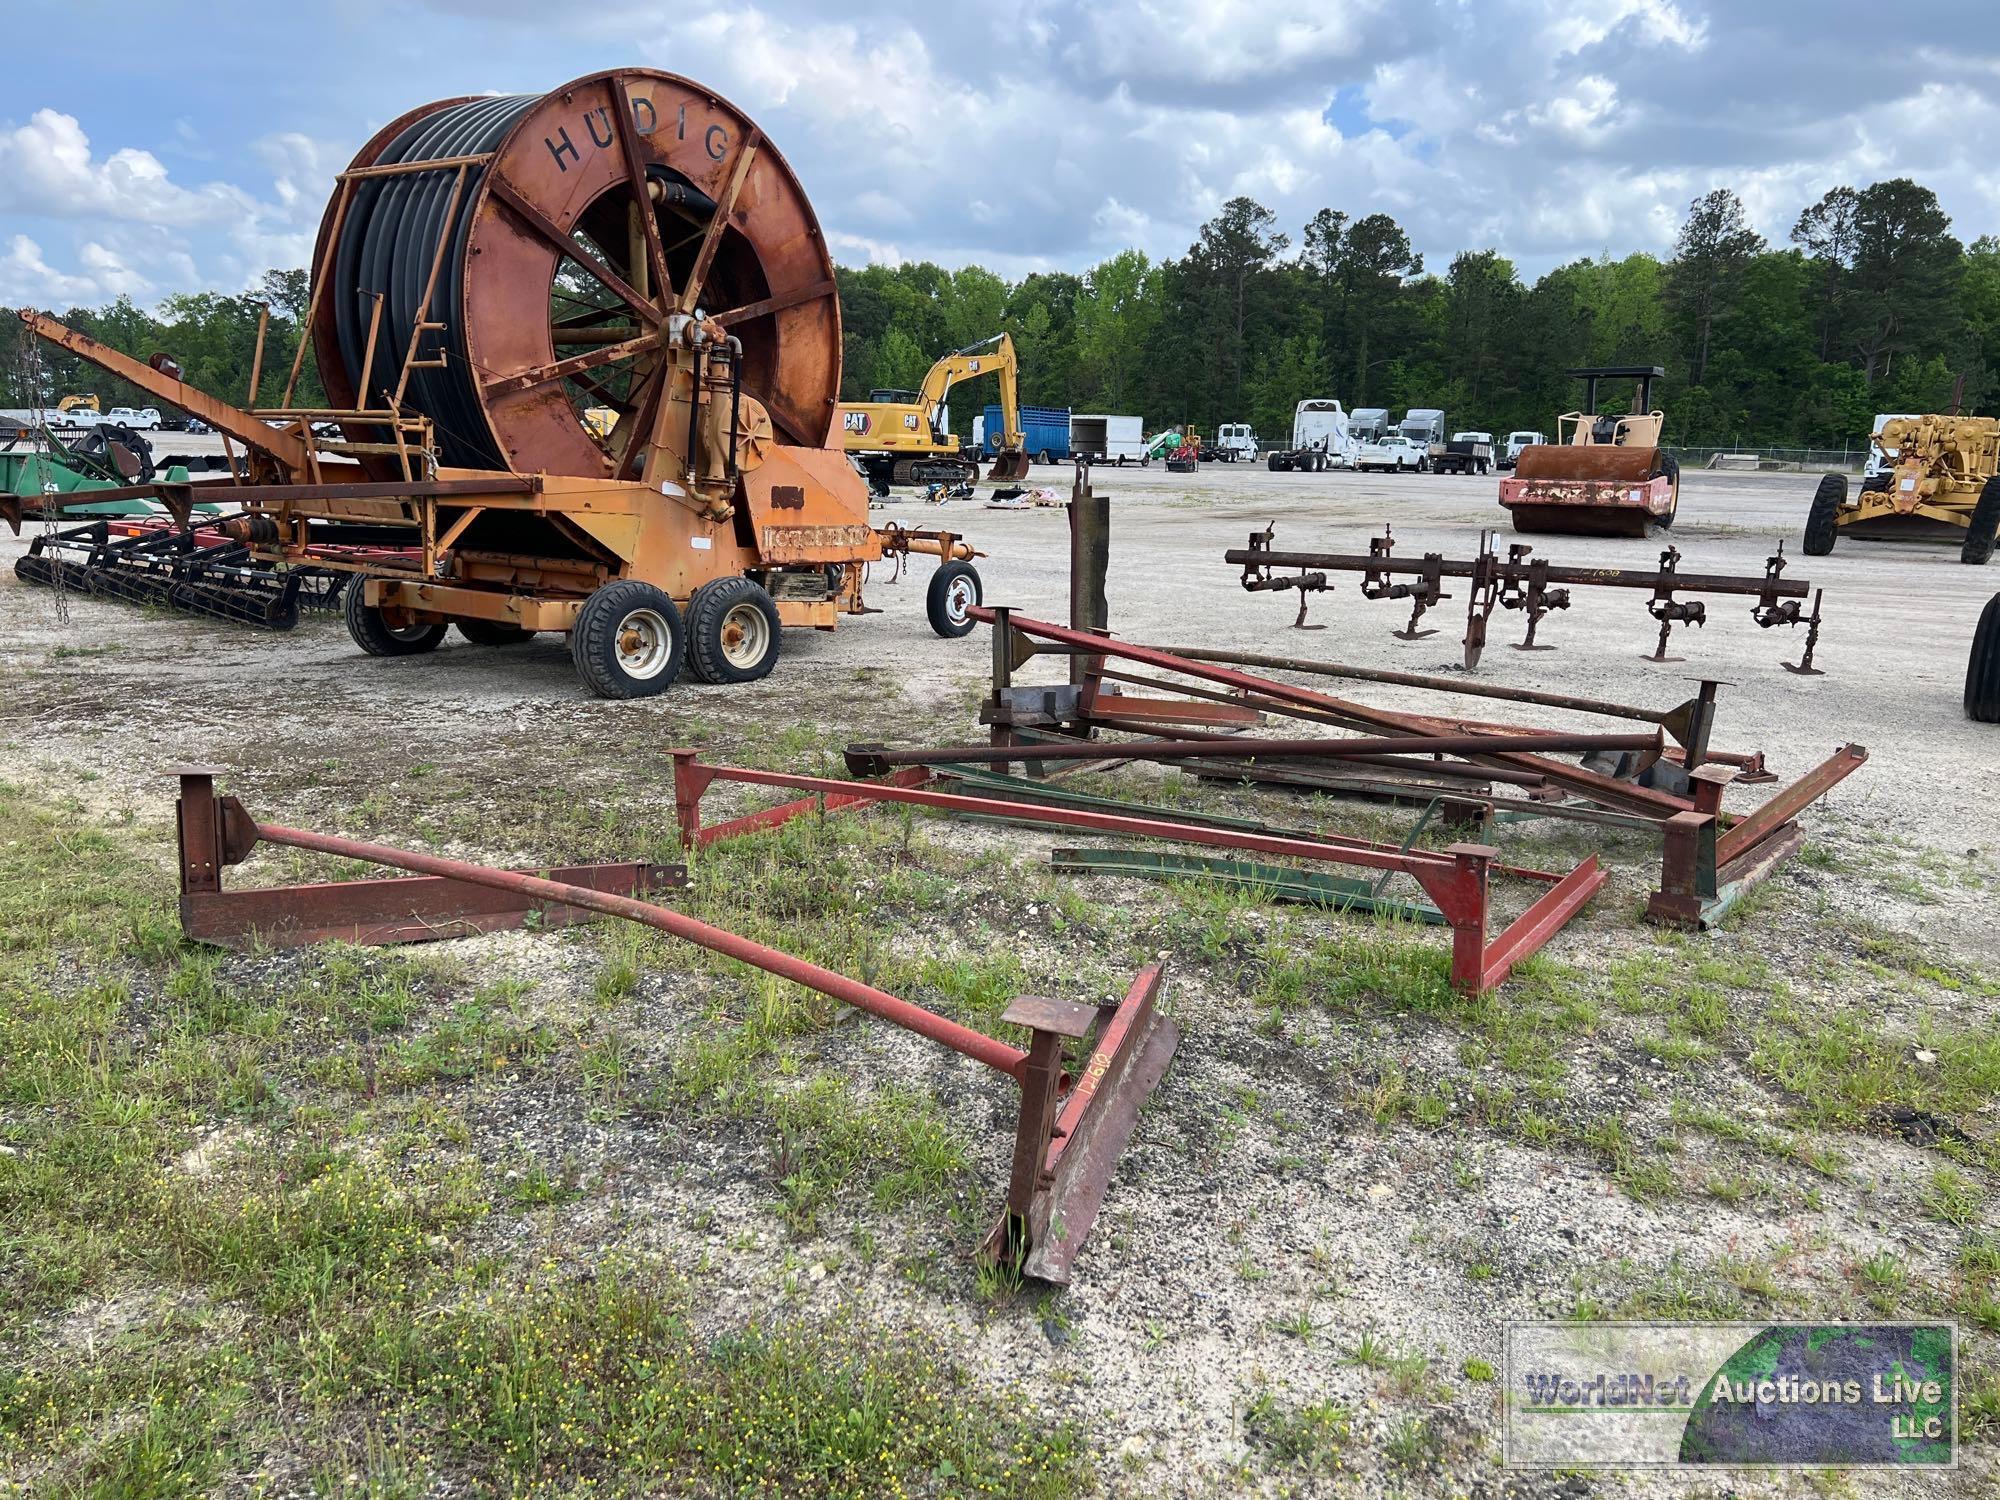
(1872, 306)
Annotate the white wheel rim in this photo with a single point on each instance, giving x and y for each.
(745, 636)
(645, 644)
(958, 599)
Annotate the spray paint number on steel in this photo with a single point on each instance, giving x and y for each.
(645, 120)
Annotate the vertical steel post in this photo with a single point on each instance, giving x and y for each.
(1471, 876)
(1051, 1022)
(1089, 563)
(199, 819)
(1700, 724)
(1003, 672)
(690, 781)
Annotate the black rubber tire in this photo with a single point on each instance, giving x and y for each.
(1670, 467)
(948, 597)
(493, 632)
(1823, 520)
(709, 619)
(1985, 522)
(1982, 669)
(377, 637)
(595, 644)
(1271, 463)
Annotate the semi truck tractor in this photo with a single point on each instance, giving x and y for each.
(1321, 439)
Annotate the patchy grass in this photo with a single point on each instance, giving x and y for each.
(1311, 1437)
(251, 1171)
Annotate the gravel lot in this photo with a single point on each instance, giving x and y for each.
(1271, 1179)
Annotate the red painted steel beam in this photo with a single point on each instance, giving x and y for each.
(697, 778)
(1371, 857)
(961, 1039)
(1527, 933)
(867, 760)
(1790, 802)
(784, 812)
(1604, 790)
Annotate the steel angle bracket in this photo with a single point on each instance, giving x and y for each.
(1067, 1143)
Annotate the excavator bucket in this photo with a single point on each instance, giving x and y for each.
(1011, 463)
(1597, 489)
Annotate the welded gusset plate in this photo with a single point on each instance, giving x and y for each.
(408, 909)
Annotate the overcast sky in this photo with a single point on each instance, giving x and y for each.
(155, 148)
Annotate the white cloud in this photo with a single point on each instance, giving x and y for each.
(26, 279)
(1581, 115)
(1053, 133)
(1657, 22)
(47, 168)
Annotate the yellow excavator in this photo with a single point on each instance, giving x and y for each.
(899, 437)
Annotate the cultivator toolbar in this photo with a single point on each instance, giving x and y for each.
(1533, 586)
(195, 569)
(1075, 1116)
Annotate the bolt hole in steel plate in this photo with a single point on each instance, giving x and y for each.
(645, 644)
(746, 636)
(522, 288)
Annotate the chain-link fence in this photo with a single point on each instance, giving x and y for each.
(1775, 460)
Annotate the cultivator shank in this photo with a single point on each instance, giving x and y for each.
(198, 570)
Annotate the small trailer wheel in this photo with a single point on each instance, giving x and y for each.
(1823, 520)
(628, 641)
(493, 632)
(733, 631)
(1982, 669)
(1985, 522)
(954, 590)
(374, 634)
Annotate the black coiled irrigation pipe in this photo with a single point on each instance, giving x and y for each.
(387, 243)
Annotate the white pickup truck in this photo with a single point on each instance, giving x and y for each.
(138, 418)
(1392, 454)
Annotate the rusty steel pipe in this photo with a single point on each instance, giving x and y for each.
(1603, 790)
(964, 1040)
(869, 760)
(1428, 681)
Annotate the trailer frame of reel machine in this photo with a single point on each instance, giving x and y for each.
(485, 269)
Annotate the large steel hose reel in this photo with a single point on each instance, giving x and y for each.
(506, 263)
